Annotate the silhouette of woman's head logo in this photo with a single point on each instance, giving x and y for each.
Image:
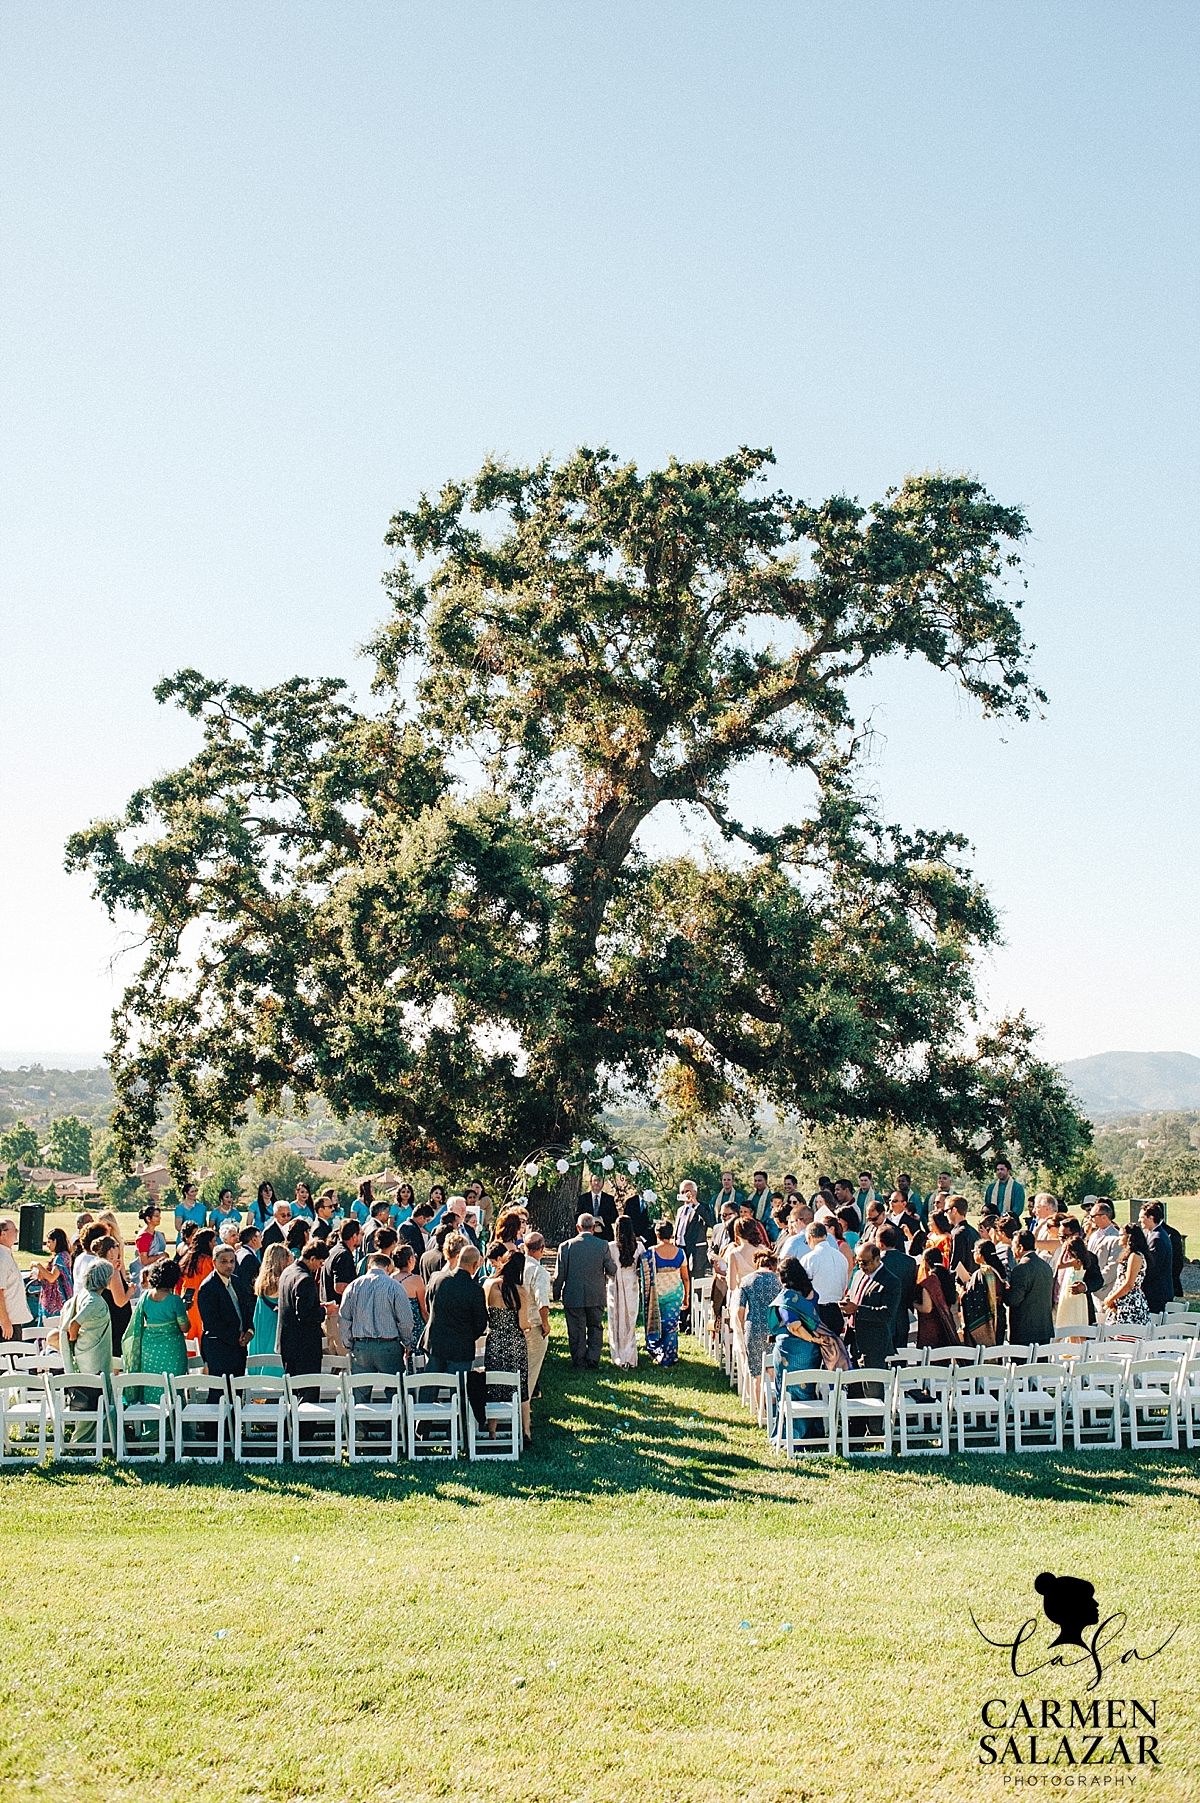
(1070, 1603)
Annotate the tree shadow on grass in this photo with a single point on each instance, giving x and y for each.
(679, 1432)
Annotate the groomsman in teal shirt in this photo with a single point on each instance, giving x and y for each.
(1006, 1196)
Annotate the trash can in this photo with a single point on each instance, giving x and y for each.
(31, 1236)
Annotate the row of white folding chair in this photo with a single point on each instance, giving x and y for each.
(40, 1406)
(982, 1406)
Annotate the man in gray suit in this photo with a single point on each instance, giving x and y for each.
(579, 1279)
(1030, 1296)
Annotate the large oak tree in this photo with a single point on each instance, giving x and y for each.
(439, 912)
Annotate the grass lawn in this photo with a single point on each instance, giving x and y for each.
(606, 1621)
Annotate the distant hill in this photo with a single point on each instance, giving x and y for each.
(1133, 1082)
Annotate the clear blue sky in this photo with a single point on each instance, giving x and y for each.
(269, 270)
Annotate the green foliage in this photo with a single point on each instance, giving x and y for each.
(1085, 1175)
(1178, 1176)
(483, 969)
(71, 1145)
(284, 1169)
(19, 1145)
(228, 1164)
(118, 1188)
(12, 1185)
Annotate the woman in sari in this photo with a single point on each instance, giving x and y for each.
(664, 1294)
(623, 1296)
(156, 1338)
(983, 1299)
(402, 1207)
(935, 1302)
(54, 1274)
(275, 1261)
(796, 1327)
(85, 1337)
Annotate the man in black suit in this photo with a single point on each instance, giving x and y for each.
(904, 1270)
(1030, 1295)
(298, 1337)
(1158, 1279)
(414, 1229)
(579, 1278)
(600, 1204)
(380, 1217)
(245, 1271)
(275, 1231)
(963, 1240)
(458, 1315)
(871, 1307)
(226, 1333)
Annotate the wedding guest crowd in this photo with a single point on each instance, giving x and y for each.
(850, 1274)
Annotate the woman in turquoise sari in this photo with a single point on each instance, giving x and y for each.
(664, 1294)
(794, 1320)
(85, 1337)
(156, 1338)
(275, 1262)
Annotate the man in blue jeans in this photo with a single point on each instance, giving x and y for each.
(376, 1322)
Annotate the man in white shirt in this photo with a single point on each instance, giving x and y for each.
(14, 1304)
(537, 1282)
(793, 1244)
(1104, 1241)
(830, 1274)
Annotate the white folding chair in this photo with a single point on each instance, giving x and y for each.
(89, 1426)
(433, 1414)
(1097, 1390)
(1151, 1397)
(807, 1424)
(1004, 1354)
(506, 1413)
(140, 1414)
(264, 1364)
(337, 1362)
(1036, 1394)
(24, 1417)
(1128, 1330)
(1178, 1327)
(1188, 1398)
(766, 1394)
(954, 1355)
(923, 1410)
(855, 1407)
(374, 1425)
(979, 1406)
(261, 1412)
(201, 1408)
(1178, 1306)
(1167, 1349)
(701, 1294)
(907, 1358)
(1086, 1332)
(317, 1426)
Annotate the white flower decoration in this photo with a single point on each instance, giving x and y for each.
(562, 1166)
(633, 1167)
(531, 1170)
(587, 1145)
(606, 1163)
(649, 1195)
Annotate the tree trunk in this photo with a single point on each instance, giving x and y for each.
(553, 1211)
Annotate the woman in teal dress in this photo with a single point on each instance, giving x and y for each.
(85, 1337)
(664, 1295)
(275, 1262)
(156, 1338)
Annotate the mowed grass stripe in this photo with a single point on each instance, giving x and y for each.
(569, 1628)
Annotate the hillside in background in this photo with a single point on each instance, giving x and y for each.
(1125, 1083)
